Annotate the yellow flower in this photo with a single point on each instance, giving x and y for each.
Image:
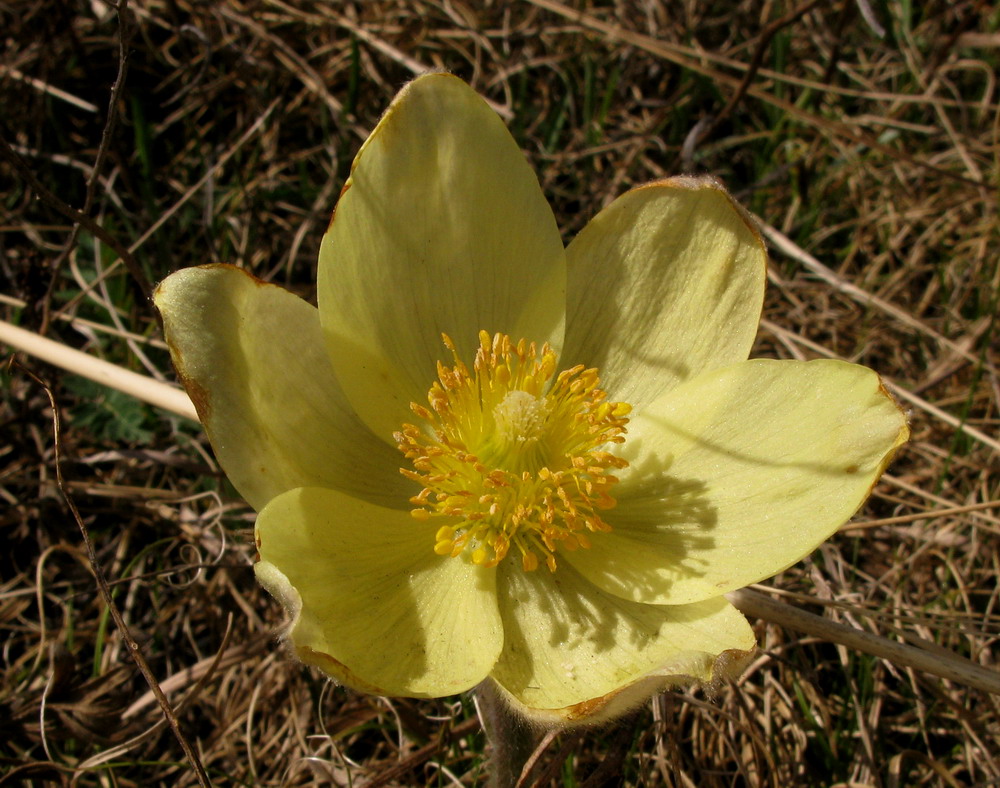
(589, 461)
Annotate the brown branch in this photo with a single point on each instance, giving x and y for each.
(124, 37)
(71, 213)
(134, 649)
(425, 753)
(690, 59)
(763, 43)
(941, 663)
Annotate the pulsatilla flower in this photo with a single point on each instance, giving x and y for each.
(489, 457)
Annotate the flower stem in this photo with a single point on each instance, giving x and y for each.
(512, 739)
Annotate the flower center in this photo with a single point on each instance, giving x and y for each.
(511, 454)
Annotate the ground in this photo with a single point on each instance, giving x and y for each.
(864, 137)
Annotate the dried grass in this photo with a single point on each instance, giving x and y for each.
(233, 130)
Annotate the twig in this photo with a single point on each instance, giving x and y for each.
(133, 646)
(38, 770)
(688, 58)
(950, 666)
(124, 36)
(538, 772)
(166, 215)
(912, 518)
(161, 395)
(19, 165)
(213, 663)
(787, 246)
(763, 43)
(614, 761)
(425, 753)
(45, 87)
(80, 323)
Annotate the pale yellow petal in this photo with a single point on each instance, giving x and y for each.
(441, 228)
(664, 283)
(370, 602)
(575, 653)
(740, 473)
(253, 359)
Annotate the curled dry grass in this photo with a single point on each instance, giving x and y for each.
(230, 133)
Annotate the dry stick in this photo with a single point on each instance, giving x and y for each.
(947, 418)
(203, 678)
(77, 216)
(536, 772)
(124, 36)
(139, 386)
(689, 58)
(532, 764)
(787, 246)
(39, 770)
(920, 492)
(80, 323)
(912, 518)
(425, 753)
(414, 66)
(844, 18)
(199, 674)
(45, 87)
(210, 173)
(614, 761)
(304, 72)
(763, 43)
(952, 667)
(167, 214)
(945, 49)
(133, 646)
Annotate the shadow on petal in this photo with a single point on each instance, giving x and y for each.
(566, 641)
(662, 531)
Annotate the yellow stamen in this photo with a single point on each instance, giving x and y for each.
(513, 454)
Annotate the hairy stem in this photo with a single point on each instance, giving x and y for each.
(512, 739)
